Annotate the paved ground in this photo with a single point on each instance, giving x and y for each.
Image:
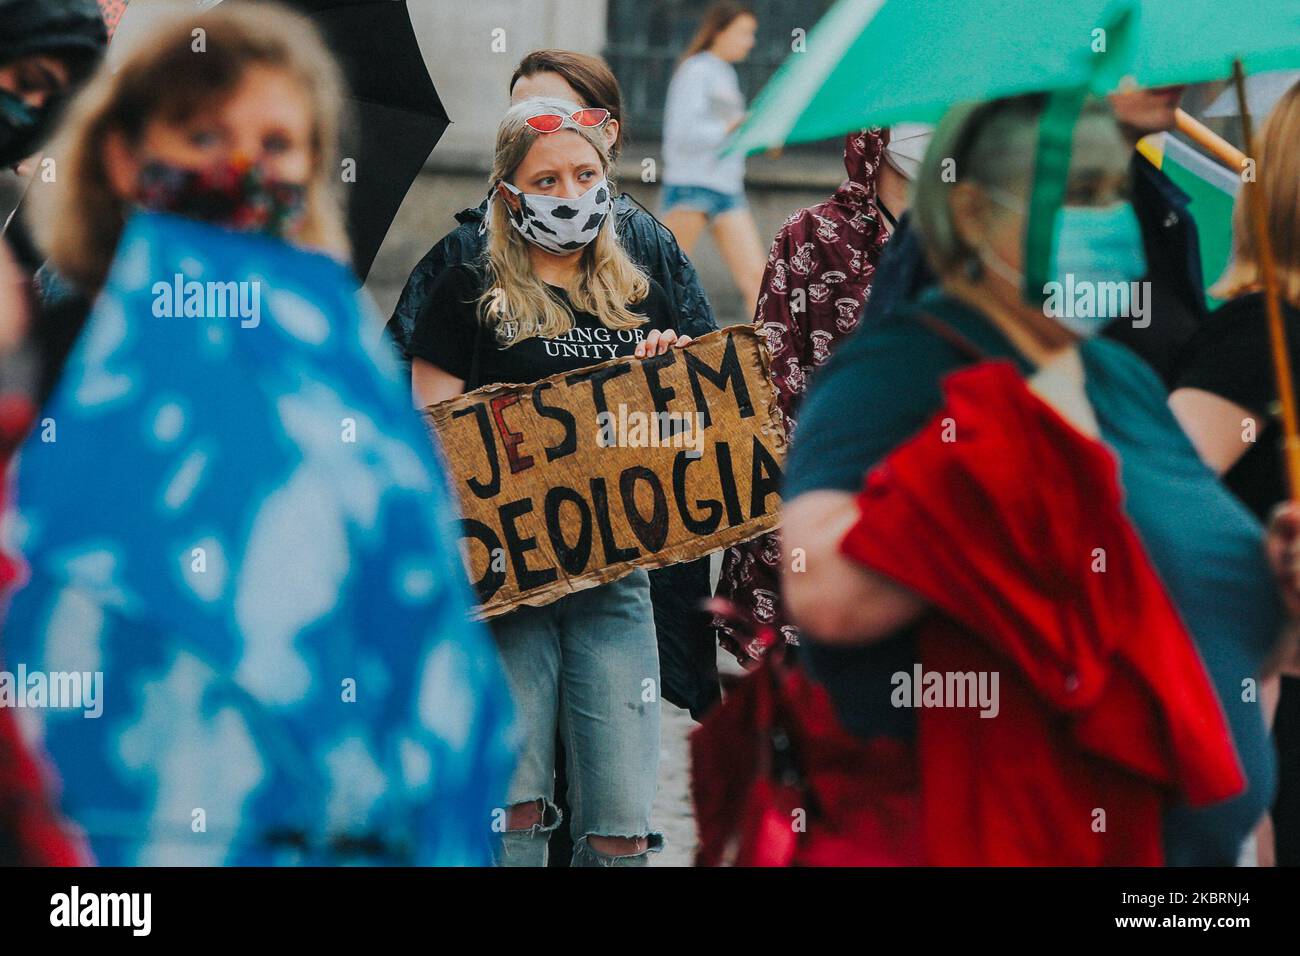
(672, 813)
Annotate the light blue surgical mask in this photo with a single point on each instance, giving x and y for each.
(1094, 246)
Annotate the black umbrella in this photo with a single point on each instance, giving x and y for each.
(400, 117)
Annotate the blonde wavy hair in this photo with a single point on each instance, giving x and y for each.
(78, 219)
(608, 281)
(1277, 160)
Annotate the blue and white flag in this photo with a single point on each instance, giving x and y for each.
(247, 610)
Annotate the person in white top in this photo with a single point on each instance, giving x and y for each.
(704, 106)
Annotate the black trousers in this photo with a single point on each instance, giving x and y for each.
(1286, 808)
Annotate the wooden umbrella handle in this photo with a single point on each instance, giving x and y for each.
(1210, 141)
(1254, 198)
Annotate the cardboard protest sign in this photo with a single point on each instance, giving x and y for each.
(577, 479)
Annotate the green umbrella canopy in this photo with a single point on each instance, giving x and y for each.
(878, 62)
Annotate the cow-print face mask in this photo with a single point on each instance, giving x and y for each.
(557, 224)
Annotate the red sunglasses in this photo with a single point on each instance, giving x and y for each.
(550, 122)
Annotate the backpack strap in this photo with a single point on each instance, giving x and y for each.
(961, 343)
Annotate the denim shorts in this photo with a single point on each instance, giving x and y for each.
(587, 664)
(711, 202)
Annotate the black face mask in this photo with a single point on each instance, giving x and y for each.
(22, 127)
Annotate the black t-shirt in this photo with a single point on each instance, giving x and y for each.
(448, 330)
(1231, 357)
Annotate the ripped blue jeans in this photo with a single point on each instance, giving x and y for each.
(589, 665)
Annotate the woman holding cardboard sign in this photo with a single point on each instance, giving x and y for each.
(1096, 412)
(556, 292)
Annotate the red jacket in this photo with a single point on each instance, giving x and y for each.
(31, 831)
(1106, 713)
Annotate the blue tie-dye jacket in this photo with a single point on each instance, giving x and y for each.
(243, 526)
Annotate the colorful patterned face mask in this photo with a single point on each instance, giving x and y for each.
(237, 196)
(557, 224)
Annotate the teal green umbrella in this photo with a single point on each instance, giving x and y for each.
(877, 62)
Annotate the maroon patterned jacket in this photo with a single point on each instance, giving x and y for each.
(818, 274)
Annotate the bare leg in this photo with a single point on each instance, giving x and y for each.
(1265, 848)
(523, 816)
(619, 846)
(686, 226)
(737, 239)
